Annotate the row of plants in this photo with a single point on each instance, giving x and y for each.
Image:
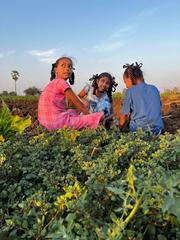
(90, 184)
(20, 98)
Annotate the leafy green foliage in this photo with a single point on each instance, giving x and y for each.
(10, 124)
(92, 184)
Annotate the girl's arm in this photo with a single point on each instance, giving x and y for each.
(82, 93)
(76, 101)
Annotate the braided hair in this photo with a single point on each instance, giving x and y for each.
(134, 72)
(53, 74)
(112, 87)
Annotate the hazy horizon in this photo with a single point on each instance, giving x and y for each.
(100, 35)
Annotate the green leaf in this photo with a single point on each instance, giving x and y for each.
(171, 206)
(18, 124)
(117, 191)
(10, 124)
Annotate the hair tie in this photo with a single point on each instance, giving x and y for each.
(139, 65)
(128, 65)
(94, 77)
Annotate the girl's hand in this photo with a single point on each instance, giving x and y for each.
(86, 103)
(110, 117)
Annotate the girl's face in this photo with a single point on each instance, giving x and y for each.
(103, 84)
(64, 68)
(127, 81)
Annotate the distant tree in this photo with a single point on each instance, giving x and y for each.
(176, 90)
(4, 93)
(12, 93)
(15, 75)
(33, 91)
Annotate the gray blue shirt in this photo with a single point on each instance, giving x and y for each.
(143, 103)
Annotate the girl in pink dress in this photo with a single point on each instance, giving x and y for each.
(52, 112)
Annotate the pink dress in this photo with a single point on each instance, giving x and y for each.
(52, 112)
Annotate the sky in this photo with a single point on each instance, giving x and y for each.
(99, 35)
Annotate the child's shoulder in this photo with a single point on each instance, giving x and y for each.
(61, 84)
(142, 85)
(152, 87)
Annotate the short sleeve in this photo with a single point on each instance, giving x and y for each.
(62, 86)
(126, 103)
(86, 88)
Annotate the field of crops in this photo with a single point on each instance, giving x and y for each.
(90, 184)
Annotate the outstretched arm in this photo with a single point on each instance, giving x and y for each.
(76, 101)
